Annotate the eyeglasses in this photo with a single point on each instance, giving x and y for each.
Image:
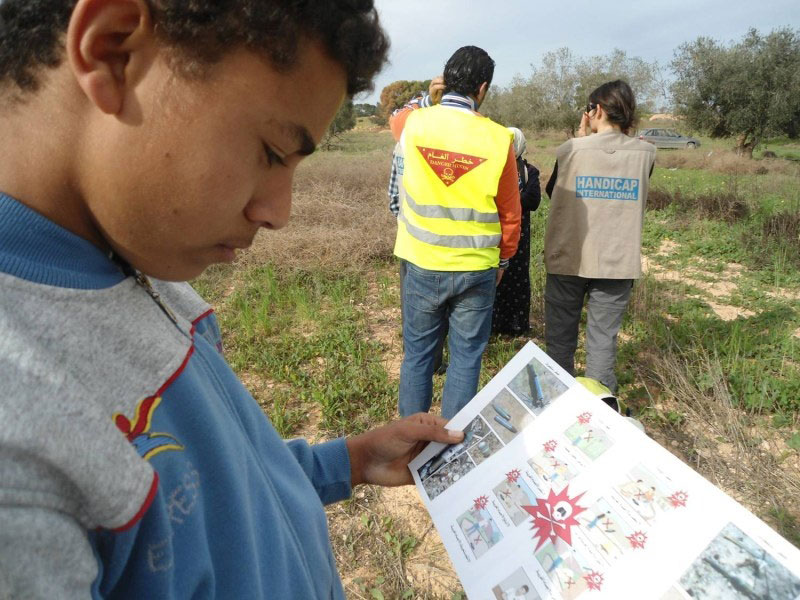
(590, 107)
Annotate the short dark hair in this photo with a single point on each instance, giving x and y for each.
(202, 31)
(618, 102)
(467, 69)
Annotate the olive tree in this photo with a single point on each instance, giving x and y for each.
(557, 89)
(747, 90)
(344, 120)
(397, 93)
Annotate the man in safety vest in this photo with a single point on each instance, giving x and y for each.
(458, 225)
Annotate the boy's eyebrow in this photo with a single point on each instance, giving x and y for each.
(301, 135)
(307, 145)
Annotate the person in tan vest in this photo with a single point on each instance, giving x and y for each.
(598, 193)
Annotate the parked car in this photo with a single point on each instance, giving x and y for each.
(668, 138)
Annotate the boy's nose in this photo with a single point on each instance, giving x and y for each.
(271, 205)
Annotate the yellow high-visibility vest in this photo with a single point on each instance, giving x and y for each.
(448, 217)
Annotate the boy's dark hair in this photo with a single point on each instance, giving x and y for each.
(467, 69)
(202, 31)
(617, 99)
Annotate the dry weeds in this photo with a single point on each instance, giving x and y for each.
(723, 161)
(399, 513)
(727, 205)
(748, 461)
(340, 217)
(784, 226)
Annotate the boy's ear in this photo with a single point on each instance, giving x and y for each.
(106, 43)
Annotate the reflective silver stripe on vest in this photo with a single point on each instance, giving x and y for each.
(450, 241)
(434, 211)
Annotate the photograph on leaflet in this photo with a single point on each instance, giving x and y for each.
(485, 448)
(447, 473)
(506, 415)
(537, 386)
(516, 586)
(454, 461)
(734, 566)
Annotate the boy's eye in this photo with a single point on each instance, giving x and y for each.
(273, 157)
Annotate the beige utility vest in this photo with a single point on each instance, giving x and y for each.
(594, 228)
(453, 161)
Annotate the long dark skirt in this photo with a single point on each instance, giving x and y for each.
(512, 304)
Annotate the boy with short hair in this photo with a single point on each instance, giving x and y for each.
(148, 139)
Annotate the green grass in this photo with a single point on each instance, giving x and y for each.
(303, 331)
(756, 353)
(759, 354)
(783, 147)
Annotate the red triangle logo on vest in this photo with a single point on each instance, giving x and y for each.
(449, 166)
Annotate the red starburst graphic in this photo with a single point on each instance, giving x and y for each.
(584, 418)
(678, 499)
(554, 517)
(513, 475)
(637, 539)
(481, 502)
(550, 446)
(594, 580)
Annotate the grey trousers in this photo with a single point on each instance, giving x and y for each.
(563, 301)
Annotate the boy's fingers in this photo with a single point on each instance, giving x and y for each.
(432, 428)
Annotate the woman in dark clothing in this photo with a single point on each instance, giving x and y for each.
(512, 302)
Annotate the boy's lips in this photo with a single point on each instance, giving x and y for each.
(228, 249)
(236, 245)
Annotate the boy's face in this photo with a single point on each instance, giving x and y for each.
(189, 170)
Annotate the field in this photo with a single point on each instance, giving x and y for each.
(709, 353)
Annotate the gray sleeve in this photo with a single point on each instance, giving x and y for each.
(44, 554)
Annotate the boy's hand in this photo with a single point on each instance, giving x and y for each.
(381, 456)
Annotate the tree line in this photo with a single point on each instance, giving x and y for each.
(748, 90)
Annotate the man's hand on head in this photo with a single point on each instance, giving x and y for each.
(381, 456)
(436, 89)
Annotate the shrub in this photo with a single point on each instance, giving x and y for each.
(725, 205)
(784, 227)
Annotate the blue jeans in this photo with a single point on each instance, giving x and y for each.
(431, 299)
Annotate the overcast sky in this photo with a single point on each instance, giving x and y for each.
(516, 33)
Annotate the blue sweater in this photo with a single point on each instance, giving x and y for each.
(216, 504)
